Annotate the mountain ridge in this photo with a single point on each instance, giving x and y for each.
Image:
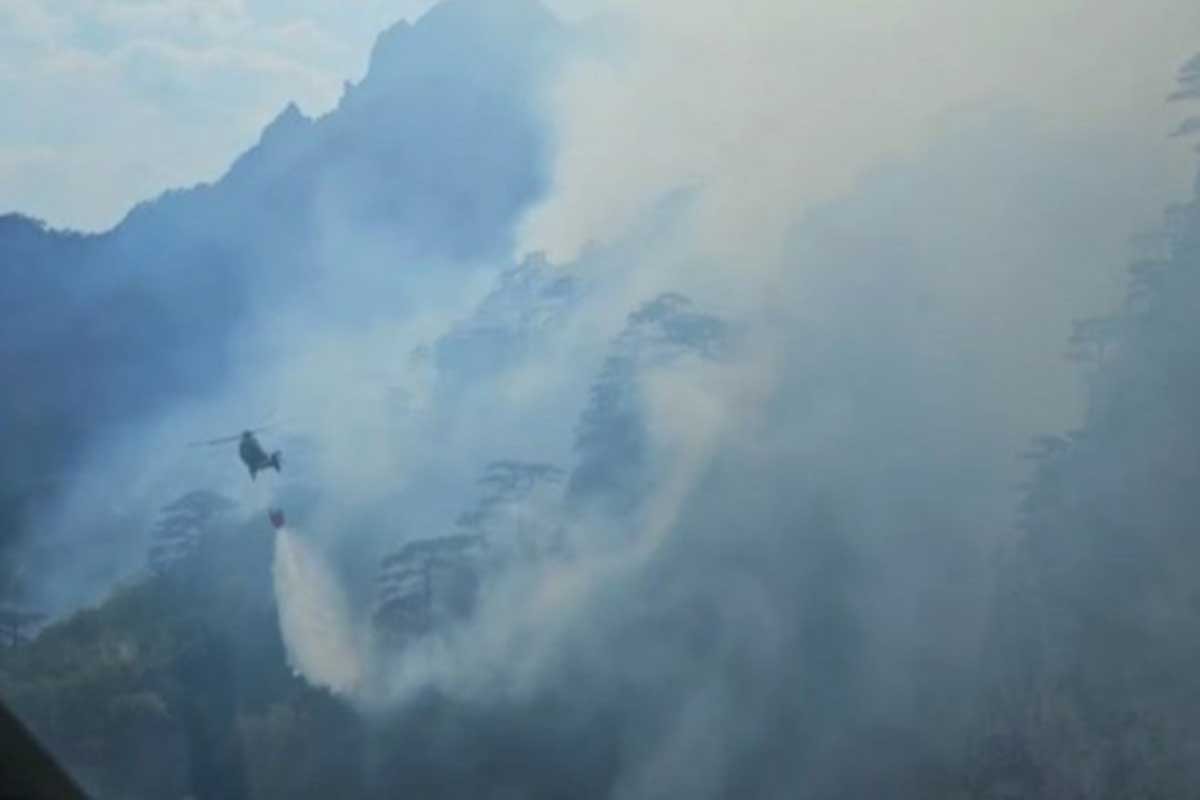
(433, 153)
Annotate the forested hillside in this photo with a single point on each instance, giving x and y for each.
(1092, 654)
(711, 508)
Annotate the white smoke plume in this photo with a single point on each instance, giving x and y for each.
(775, 106)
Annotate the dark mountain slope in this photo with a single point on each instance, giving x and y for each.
(431, 157)
(178, 685)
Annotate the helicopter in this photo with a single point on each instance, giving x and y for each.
(252, 453)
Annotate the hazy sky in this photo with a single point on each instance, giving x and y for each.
(109, 102)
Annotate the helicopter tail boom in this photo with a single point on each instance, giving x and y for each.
(274, 461)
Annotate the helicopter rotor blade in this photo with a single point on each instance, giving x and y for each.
(228, 439)
(212, 442)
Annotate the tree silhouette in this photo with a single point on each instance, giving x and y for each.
(610, 439)
(510, 515)
(181, 525)
(1093, 636)
(431, 582)
(428, 583)
(15, 625)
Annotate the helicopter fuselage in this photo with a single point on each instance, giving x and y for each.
(255, 457)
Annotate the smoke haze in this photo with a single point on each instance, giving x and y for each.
(758, 303)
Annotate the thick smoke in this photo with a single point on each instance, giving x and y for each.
(774, 106)
(770, 556)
